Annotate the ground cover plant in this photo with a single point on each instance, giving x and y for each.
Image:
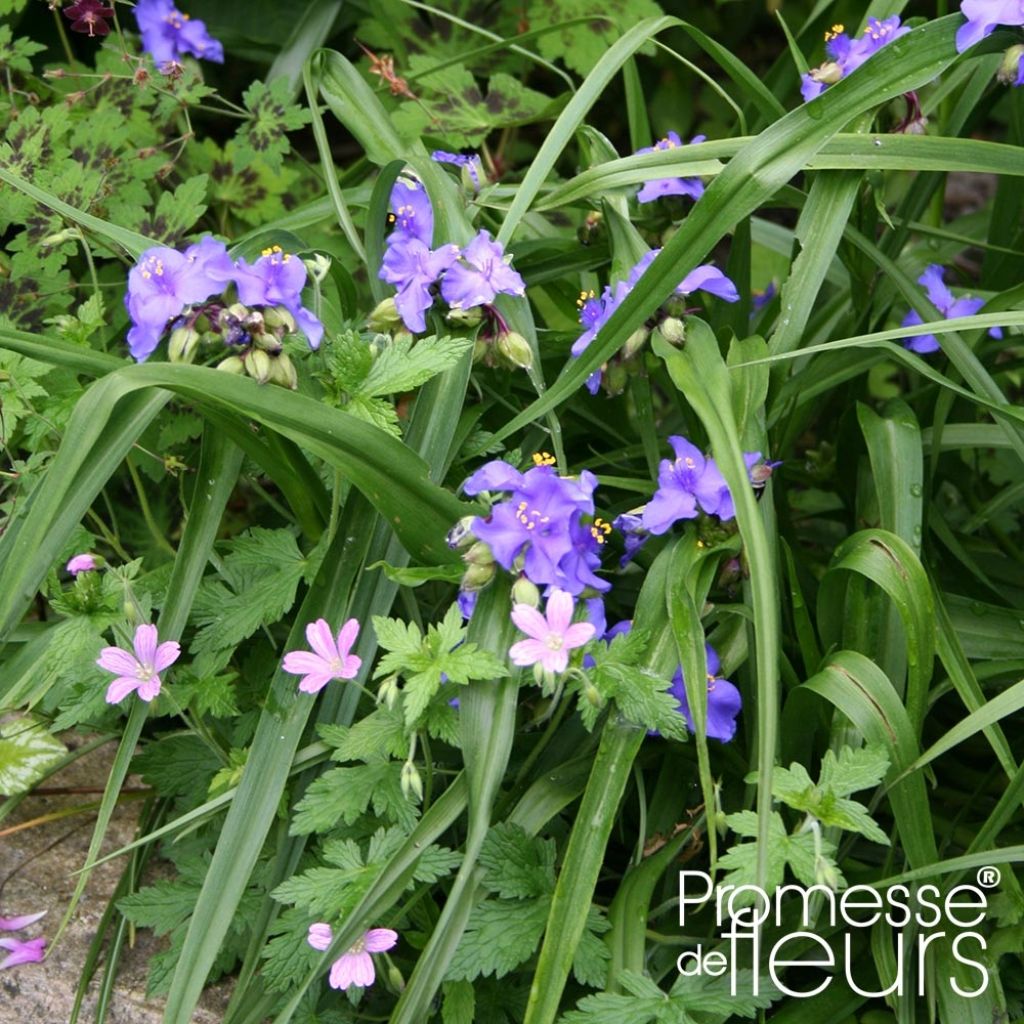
(534, 493)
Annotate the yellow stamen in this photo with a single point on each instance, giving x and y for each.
(543, 459)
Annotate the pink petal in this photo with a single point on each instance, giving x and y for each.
(559, 611)
(528, 652)
(352, 969)
(314, 683)
(303, 663)
(149, 689)
(120, 688)
(555, 661)
(350, 667)
(167, 654)
(321, 639)
(14, 924)
(530, 621)
(145, 644)
(31, 952)
(347, 637)
(114, 659)
(578, 634)
(377, 940)
(320, 936)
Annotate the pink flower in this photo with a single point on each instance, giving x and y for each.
(138, 671)
(331, 659)
(31, 952)
(82, 563)
(15, 924)
(320, 936)
(356, 967)
(551, 636)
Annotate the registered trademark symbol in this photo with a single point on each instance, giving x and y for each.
(988, 878)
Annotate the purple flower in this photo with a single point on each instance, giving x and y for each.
(551, 637)
(483, 273)
(467, 602)
(15, 924)
(412, 267)
(19, 952)
(634, 535)
(414, 216)
(541, 522)
(658, 187)
(761, 299)
(80, 563)
(330, 658)
(686, 484)
(946, 303)
(164, 282)
(471, 163)
(277, 279)
(87, 16)
(356, 966)
(168, 34)
(139, 671)
(846, 54)
(724, 701)
(982, 18)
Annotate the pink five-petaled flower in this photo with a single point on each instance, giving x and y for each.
(356, 966)
(551, 636)
(141, 670)
(330, 658)
(81, 563)
(18, 952)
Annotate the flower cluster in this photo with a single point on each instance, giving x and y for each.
(946, 303)
(355, 967)
(658, 187)
(470, 277)
(595, 312)
(21, 951)
(544, 529)
(140, 669)
(983, 16)
(167, 285)
(846, 54)
(168, 34)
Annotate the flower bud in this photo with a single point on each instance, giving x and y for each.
(477, 577)
(233, 364)
(282, 371)
(593, 695)
(673, 330)
(1011, 71)
(466, 317)
(827, 74)
(268, 342)
(403, 335)
(258, 365)
(479, 554)
(525, 591)
(181, 348)
(461, 534)
(388, 692)
(237, 310)
(396, 982)
(516, 349)
(481, 350)
(384, 316)
(318, 265)
(635, 342)
(278, 318)
(67, 235)
(615, 378)
(826, 873)
(412, 785)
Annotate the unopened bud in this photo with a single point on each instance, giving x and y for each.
(516, 349)
(74, 97)
(593, 695)
(388, 692)
(67, 235)
(318, 265)
(403, 336)
(396, 982)
(481, 350)
(525, 591)
(461, 534)
(615, 378)
(673, 330)
(268, 342)
(635, 342)
(237, 310)
(258, 365)
(384, 316)
(181, 348)
(277, 317)
(233, 364)
(826, 873)
(1011, 71)
(479, 554)
(130, 612)
(412, 785)
(467, 317)
(827, 74)
(282, 371)
(477, 577)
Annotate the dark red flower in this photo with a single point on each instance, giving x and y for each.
(87, 16)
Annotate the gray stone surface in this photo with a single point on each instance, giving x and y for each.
(36, 865)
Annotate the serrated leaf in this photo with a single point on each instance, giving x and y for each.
(517, 865)
(382, 732)
(402, 365)
(343, 794)
(501, 935)
(272, 115)
(27, 751)
(458, 1004)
